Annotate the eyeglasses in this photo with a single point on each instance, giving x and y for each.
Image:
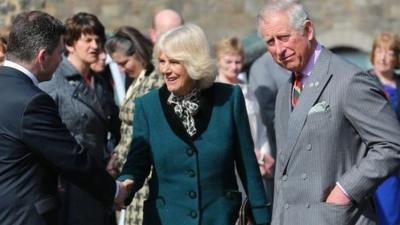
(385, 52)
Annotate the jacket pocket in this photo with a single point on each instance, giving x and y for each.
(337, 214)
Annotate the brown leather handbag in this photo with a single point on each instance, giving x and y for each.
(245, 216)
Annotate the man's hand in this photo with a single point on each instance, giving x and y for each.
(123, 192)
(338, 197)
(266, 163)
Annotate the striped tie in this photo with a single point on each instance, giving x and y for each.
(297, 88)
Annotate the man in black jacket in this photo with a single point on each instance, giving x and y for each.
(34, 145)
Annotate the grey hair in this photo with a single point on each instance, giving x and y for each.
(188, 44)
(295, 11)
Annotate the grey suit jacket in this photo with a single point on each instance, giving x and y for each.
(342, 130)
(265, 78)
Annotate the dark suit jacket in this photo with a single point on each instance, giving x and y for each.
(34, 148)
(194, 180)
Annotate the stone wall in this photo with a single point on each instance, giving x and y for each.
(348, 23)
(10, 8)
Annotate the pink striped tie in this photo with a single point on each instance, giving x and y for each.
(297, 88)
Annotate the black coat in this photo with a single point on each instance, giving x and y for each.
(34, 148)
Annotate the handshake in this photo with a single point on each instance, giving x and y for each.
(123, 191)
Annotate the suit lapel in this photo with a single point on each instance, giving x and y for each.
(311, 92)
(283, 110)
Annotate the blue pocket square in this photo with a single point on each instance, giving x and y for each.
(319, 107)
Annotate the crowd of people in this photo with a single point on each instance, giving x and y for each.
(305, 137)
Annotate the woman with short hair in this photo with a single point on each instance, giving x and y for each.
(86, 106)
(193, 132)
(385, 58)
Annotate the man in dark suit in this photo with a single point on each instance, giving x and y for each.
(34, 145)
(332, 151)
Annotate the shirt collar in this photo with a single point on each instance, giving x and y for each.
(311, 62)
(23, 70)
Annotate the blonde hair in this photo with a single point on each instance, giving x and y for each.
(228, 46)
(188, 45)
(389, 41)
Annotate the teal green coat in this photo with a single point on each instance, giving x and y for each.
(193, 179)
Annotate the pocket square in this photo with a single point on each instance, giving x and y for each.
(319, 107)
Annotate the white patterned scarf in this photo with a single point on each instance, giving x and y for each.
(185, 108)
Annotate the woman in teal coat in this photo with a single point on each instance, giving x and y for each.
(191, 134)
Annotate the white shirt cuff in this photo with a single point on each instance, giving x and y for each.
(344, 191)
(116, 189)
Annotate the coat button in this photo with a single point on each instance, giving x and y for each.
(228, 195)
(190, 173)
(192, 194)
(304, 176)
(309, 147)
(84, 115)
(189, 152)
(284, 178)
(193, 214)
(286, 206)
(307, 205)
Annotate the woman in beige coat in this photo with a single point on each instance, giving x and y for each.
(132, 52)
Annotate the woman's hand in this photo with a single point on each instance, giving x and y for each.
(266, 163)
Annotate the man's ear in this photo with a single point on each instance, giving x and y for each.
(42, 56)
(309, 29)
(152, 35)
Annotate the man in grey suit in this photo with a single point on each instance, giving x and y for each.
(332, 151)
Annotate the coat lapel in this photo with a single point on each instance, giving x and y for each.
(202, 118)
(311, 92)
(81, 92)
(133, 88)
(89, 97)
